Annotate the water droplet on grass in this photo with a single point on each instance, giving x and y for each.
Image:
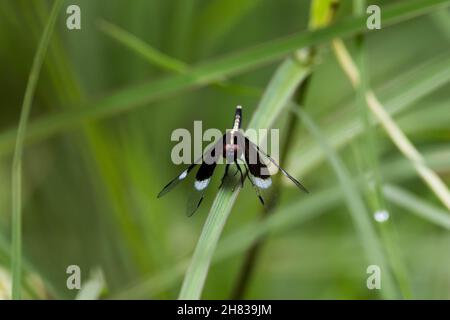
(381, 216)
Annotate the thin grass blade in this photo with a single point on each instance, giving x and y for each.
(16, 255)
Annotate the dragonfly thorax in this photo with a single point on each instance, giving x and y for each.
(232, 152)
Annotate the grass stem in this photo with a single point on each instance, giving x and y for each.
(16, 256)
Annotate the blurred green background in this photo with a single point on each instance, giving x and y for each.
(89, 192)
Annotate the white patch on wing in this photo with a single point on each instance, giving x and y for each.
(263, 183)
(183, 175)
(200, 185)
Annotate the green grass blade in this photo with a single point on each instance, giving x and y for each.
(16, 255)
(137, 45)
(286, 79)
(368, 151)
(361, 218)
(140, 95)
(198, 269)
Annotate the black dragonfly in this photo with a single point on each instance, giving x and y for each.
(234, 147)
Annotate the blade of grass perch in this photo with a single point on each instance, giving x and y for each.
(140, 95)
(396, 134)
(321, 15)
(16, 255)
(283, 84)
(360, 216)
